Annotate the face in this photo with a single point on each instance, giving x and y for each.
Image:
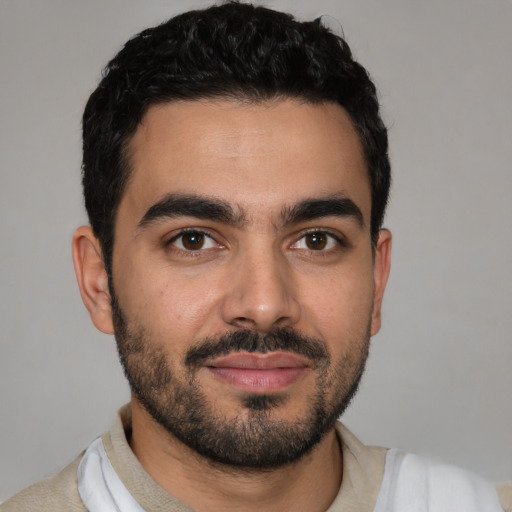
(246, 285)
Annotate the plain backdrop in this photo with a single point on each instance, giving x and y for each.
(439, 379)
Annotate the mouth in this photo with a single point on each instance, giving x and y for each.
(259, 373)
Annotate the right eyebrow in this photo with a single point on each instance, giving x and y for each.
(191, 205)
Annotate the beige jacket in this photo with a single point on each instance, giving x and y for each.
(362, 475)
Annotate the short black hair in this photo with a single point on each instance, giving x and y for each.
(234, 50)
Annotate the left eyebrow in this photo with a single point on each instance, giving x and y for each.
(311, 209)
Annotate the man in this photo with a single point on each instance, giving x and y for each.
(236, 177)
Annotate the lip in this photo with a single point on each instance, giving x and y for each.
(259, 373)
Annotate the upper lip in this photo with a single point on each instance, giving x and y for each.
(259, 361)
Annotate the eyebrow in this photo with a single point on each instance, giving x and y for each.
(333, 206)
(200, 207)
(190, 205)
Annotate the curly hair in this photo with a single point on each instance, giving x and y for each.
(234, 50)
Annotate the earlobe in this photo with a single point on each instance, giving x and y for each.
(381, 268)
(92, 278)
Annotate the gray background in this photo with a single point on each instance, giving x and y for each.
(439, 379)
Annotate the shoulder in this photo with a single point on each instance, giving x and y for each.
(410, 480)
(57, 493)
(505, 494)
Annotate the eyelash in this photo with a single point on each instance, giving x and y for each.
(191, 252)
(339, 242)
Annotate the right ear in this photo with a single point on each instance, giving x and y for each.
(92, 278)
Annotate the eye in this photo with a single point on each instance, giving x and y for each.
(317, 241)
(193, 240)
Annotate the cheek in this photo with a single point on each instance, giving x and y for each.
(168, 303)
(339, 307)
(185, 304)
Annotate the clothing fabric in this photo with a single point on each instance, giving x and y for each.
(413, 484)
(100, 489)
(108, 476)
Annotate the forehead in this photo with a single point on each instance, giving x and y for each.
(258, 157)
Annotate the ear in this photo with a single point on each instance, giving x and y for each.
(92, 278)
(381, 267)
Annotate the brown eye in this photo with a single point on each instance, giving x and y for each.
(192, 241)
(316, 241)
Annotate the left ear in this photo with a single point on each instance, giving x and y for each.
(381, 266)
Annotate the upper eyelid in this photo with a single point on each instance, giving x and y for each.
(184, 231)
(333, 233)
(341, 243)
(171, 244)
(337, 235)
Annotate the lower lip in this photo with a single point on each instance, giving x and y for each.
(258, 380)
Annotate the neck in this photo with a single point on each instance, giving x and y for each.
(310, 484)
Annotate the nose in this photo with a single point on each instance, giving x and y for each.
(260, 294)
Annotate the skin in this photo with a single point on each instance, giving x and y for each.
(257, 274)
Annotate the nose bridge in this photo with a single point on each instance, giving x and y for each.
(261, 294)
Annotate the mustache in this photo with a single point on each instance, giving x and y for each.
(283, 339)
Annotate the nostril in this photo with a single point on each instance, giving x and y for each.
(242, 321)
(260, 302)
(280, 322)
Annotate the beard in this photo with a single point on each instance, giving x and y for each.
(251, 438)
